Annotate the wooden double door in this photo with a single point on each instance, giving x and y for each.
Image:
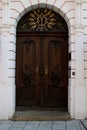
(42, 70)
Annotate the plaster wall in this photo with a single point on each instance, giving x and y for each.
(84, 12)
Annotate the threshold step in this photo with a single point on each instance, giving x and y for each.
(34, 115)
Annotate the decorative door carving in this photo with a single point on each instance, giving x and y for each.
(56, 70)
(42, 67)
(42, 59)
(27, 73)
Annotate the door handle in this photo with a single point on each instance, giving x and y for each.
(37, 70)
(46, 71)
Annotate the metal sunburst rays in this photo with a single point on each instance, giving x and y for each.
(42, 20)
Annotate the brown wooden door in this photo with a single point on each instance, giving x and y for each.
(55, 70)
(42, 70)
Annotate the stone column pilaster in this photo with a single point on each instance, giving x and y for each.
(5, 12)
(4, 40)
(79, 88)
(4, 57)
(6, 90)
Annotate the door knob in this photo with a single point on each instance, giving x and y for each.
(46, 71)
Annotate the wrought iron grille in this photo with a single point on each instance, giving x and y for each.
(42, 19)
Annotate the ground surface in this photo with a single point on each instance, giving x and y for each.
(44, 125)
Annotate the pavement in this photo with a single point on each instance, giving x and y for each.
(44, 125)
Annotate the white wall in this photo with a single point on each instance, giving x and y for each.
(10, 13)
(85, 49)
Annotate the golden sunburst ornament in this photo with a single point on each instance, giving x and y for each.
(42, 19)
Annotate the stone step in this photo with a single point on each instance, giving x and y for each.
(34, 115)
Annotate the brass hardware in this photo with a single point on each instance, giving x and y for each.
(46, 71)
(37, 70)
(41, 19)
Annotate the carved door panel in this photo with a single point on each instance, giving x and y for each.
(55, 71)
(28, 49)
(42, 70)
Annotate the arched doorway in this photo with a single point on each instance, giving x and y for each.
(42, 60)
